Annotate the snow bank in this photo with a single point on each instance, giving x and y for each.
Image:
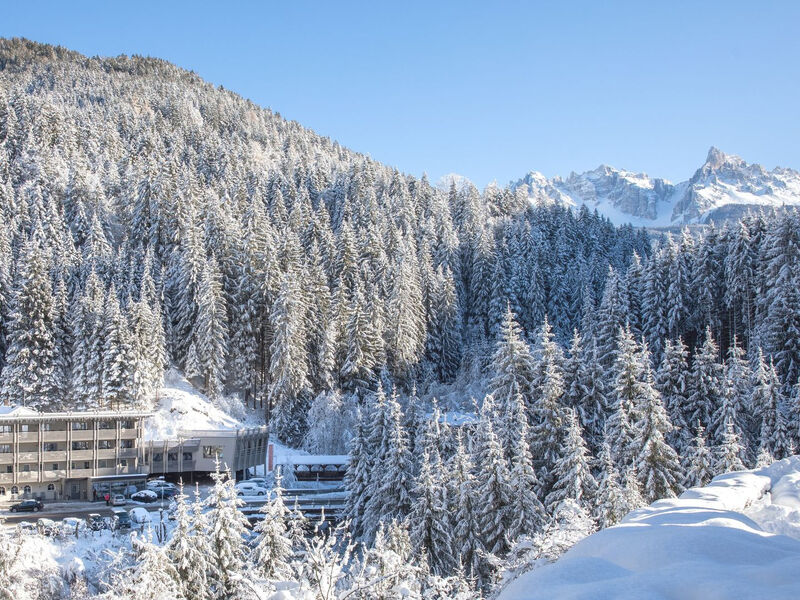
(182, 407)
(715, 542)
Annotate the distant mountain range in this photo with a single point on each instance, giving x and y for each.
(724, 187)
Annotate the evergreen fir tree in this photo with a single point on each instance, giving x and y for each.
(430, 525)
(698, 464)
(272, 549)
(573, 476)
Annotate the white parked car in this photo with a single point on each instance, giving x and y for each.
(118, 500)
(73, 526)
(259, 481)
(146, 496)
(246, 488)
(139, 516)
(157, 484)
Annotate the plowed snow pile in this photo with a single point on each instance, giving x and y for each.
(737, 538)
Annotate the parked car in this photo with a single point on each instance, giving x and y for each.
(245, 488)
(139, 516)
(27, 506)
(118, 500)
(72, 526)
(46, 527)
(96, 522)
(26, 527)
(165, 492)
(146, 496)
(122, 520)
(155, 484)
(259, 481)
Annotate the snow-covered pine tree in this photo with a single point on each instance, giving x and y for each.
(464, 506)
(672, 382)
(705, 383)
(547, 412)
(431, 529)
(625, 394)
(153, 576)
(289, 362)
(611, 502)
(210, 335)
(657, 465)
(186, 553)
(357, 478)
(27, 377)
(698, 462)
(272, 549)
(119, 360)
(391, 481)
(227, 528)
(512, 364)
(729, 453)
(493, 486)
(528, 513)
(774, 435)
(572, 472)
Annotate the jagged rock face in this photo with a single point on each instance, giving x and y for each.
(724, 187)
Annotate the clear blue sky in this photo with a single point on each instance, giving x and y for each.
(489, 90)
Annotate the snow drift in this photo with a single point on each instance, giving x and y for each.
(738, 537)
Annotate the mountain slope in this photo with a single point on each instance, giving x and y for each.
(724, 187)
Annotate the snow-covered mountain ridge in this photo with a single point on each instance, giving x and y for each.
(724, 187)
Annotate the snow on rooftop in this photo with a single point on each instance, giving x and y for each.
(181, 407)
(14, 410)
(738, 537)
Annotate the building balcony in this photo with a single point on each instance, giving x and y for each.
(82, 455)
(6, 477)
(6, 438)
(127, 452)
(105, 471)
(54, 436)
(54, 456)
(82, 435)
(27, 476)
(106, 453)
(106, 434)
(50, 475)
(28, 436)
(78, 473)
(127, 434)
(25, 457)
(6, 458)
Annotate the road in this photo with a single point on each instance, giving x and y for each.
(62, 512)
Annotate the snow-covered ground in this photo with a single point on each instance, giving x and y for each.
(737, 538)
(182, 407)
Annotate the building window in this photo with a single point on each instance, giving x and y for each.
(172, 456)
(49, 447)
(102, 464)
(2, 491)
(5, 448)
(126, 424)
(26, 428)
(81, 446)
(9, 469)
(87, 465)
(26, 468)
(105, 444)
(26, 489)
(212, 451)
(55, 466)
(107, 425)
(125, 444)
(123, 462)
(158, 457)
(80, 426)
(5, 428)
(51, 487)
(14, 490)
(187, 456)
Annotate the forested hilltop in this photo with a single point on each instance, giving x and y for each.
(151, 218)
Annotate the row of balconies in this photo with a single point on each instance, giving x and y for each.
(61, 436)
(52, 476)
(7, 458)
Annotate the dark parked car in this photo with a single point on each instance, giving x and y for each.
(145, 496)
(122, 519)
(27, 506)
(96, 522)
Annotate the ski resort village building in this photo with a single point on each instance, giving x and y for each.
(83, 455)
